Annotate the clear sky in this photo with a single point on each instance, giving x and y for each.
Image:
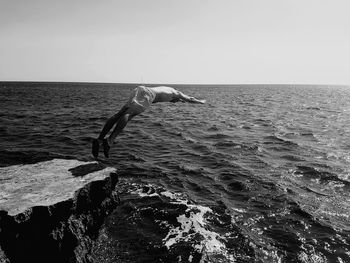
(176, 41)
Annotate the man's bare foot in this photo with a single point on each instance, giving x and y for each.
(95, 147)
(106, 148)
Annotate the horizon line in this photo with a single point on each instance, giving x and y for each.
(159, 83)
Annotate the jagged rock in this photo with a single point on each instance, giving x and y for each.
(52, 211)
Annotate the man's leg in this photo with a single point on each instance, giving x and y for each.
(123, 120)
(110, 122)
(106, 128)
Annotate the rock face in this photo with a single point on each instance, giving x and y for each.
(52, 211)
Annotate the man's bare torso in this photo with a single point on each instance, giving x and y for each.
(164, 94)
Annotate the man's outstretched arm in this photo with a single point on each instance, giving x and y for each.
(185, 98)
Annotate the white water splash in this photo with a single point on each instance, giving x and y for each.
(193, 224)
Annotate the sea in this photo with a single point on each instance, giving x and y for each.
(260, 173)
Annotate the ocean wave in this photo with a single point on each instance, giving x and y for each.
(194, 227)
(319, 176)
(227, 143)
(293, 158)
(217, 136)
(275, 139)
(190, 169)
(214, 128)
(237, 186)
(313, 108)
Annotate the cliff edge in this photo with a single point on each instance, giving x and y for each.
(52, 211)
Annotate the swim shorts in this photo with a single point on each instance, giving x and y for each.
(140, 99)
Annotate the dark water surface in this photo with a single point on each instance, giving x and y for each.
(258, 174)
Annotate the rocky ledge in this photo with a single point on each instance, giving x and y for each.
(52, 211)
